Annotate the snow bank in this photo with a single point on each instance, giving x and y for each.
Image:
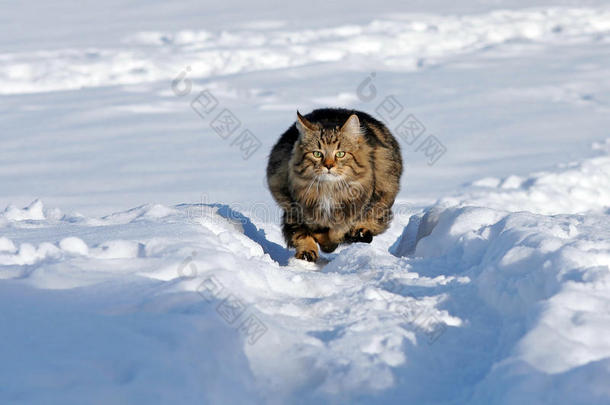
(34, 211)
(493, 304)
(578, 187)
(538, 254)
(547, 278)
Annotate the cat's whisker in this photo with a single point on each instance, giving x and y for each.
(310, 184)
(344, 185)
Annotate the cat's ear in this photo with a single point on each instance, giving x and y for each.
(304, 126)
(352, 129)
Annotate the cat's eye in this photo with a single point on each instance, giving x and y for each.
(317, 154)
(340, 154)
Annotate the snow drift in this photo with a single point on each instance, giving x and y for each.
(404, 42)
(498, 294)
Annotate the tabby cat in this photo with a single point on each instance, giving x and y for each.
(335, 173)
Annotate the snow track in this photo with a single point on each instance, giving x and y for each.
(492, 285)
(495, 304)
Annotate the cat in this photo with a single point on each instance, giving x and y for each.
(335, 173)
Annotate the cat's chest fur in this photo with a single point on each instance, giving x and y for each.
(328, 209)
(326, 204)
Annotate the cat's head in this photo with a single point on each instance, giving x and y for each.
(330, 154)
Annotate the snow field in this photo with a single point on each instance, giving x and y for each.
(403, 43)
(527, 288)
(491, 293)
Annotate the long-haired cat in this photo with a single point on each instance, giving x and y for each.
(335, 173)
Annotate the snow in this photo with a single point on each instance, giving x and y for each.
(501, 292)
(578, 187)
(141, 257)
(400, 44)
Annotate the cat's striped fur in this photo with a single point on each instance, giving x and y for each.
(335, 173)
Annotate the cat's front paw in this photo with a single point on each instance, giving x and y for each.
(309, 255)
(359, 235)
(328, 247)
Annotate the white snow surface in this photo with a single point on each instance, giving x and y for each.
(402, 44)
(492, 285)
(494, 304)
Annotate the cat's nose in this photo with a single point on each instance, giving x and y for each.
(328, 164)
